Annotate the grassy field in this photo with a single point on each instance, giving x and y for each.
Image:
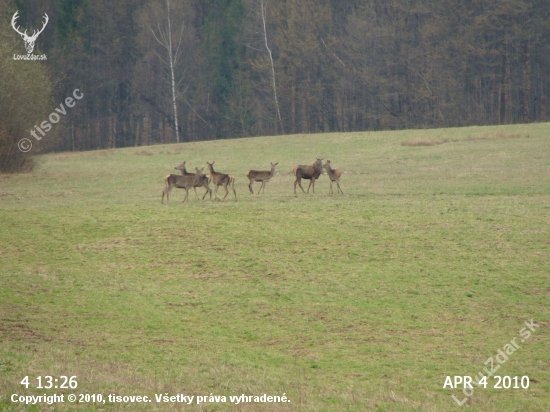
(431, 262)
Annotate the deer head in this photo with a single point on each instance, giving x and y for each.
(29, 40)
(181, 167)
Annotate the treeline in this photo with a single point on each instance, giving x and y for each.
(232, 68)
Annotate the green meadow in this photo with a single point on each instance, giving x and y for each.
(429, 263)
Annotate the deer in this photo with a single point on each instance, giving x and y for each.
(202, 182)
(311, 172)
(220, 179)
(181, 182)
(260, 176)
(29, 40)
(334, 176)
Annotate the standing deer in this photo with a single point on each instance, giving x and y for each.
(29, 40)
(220, 179)
(260, 176)
(307, 172)
(181, 182)
(334, 176)
(202, 182)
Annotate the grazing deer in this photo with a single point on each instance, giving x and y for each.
(202, 182)
(220, 179)
(334, 176)
(260, 176)
(181, 182)
(307, 172)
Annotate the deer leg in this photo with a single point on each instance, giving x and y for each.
(330, 190)
(299, 182)
(208, 190)
(226, 192)
(311, 182)
(234, 191)
(338, 183)
(262, 185)
(250, 186)
(163, 193)
(196, 195)
(186, 195)
(216, 192)
(166, 191)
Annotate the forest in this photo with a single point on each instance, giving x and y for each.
(160, 71)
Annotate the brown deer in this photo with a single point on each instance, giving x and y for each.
(260, 176)
(203, 182)
(307, 172)
(334, 176)
(220, 179)
(181, 182)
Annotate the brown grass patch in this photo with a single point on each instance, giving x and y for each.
(497, 136)
(17, 330)
(485, 136)
(143, 153)
(423, 142)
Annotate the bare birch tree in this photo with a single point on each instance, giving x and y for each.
(165, 40)
(263, 13)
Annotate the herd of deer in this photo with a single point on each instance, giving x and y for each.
(193, 180)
